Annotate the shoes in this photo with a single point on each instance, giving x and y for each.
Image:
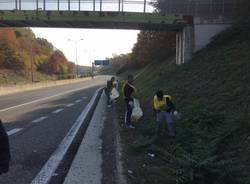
(131, 126)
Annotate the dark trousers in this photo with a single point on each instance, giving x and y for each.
(4, 150)
(107, 92)
(128, 113)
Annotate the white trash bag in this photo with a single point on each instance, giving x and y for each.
(114, 94)
(137, 111)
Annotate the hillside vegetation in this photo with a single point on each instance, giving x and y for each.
(213, 140)
(22, 54)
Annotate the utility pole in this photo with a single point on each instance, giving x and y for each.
(76, 53)
(92, 72)
(31, 61)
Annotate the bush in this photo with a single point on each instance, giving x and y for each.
(203, 153)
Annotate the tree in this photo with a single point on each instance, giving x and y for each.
(153, 46)
(56, 64)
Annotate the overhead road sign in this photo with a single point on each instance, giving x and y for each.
(102, 62)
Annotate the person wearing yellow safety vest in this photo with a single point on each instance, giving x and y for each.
(165, 110)
(129, 92)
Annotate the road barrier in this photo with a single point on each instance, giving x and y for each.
(5, 90)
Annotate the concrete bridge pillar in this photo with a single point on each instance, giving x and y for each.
(184, 44)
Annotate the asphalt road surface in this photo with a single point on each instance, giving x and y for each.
(37, 121)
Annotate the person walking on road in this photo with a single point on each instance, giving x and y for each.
(129, 92)
(165, 110)
(4, 150)
(108, 90)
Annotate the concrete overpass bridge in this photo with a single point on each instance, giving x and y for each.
(35, 13)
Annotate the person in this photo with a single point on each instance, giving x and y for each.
(108, 90)
(115, 83)
(165, 110)
(129, 92)
(4, 150)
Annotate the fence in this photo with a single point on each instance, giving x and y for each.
(78, 5)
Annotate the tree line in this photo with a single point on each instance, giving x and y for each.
(22, 52)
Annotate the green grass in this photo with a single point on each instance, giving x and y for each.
(212, 93)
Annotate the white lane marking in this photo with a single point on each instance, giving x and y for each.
(46, 98)
(57, 111)
(77, 101)
(69, 105)
(55, 159)
(13, 131)
(39, 119)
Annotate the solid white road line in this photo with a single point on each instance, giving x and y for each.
(42, 99)
(51, 165)
(13, 131)
(69, 105)
(57, 111)
(39, 119)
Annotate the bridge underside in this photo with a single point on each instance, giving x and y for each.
(87, 19)
(107, 20)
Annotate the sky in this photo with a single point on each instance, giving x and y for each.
(95, 43)
(92, 44)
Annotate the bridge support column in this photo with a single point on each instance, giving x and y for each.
(184, 44)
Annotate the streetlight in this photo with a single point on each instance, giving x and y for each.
(76, 42)
(90, 53)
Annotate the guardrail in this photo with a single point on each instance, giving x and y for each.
(78, 5)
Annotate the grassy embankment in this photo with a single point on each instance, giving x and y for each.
(213, 94)
(9, 77)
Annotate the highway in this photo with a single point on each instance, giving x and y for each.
(37, 121)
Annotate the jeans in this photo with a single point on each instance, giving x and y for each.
(128, 112)
(168, 117)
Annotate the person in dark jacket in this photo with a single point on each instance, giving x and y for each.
(129, 92)
(109, 87)
(4, 150)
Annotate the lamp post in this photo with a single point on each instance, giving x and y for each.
(31, 60)
(76, 62)
(90, 53)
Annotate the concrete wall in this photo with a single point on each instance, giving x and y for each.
(5, 90)
(205, 32)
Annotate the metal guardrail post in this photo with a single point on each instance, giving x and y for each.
(122, 5)
(44, 5)
(20, 6)
(119, 5)
(36, 4)
(16, 4)
(145, 4)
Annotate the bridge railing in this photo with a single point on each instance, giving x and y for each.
(78, 5)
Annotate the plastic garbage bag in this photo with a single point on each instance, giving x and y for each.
(114, 94)
(137, 111)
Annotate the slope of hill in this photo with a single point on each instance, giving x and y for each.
(21, 52)
(212, 94)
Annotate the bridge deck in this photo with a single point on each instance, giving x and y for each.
(90, 19)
